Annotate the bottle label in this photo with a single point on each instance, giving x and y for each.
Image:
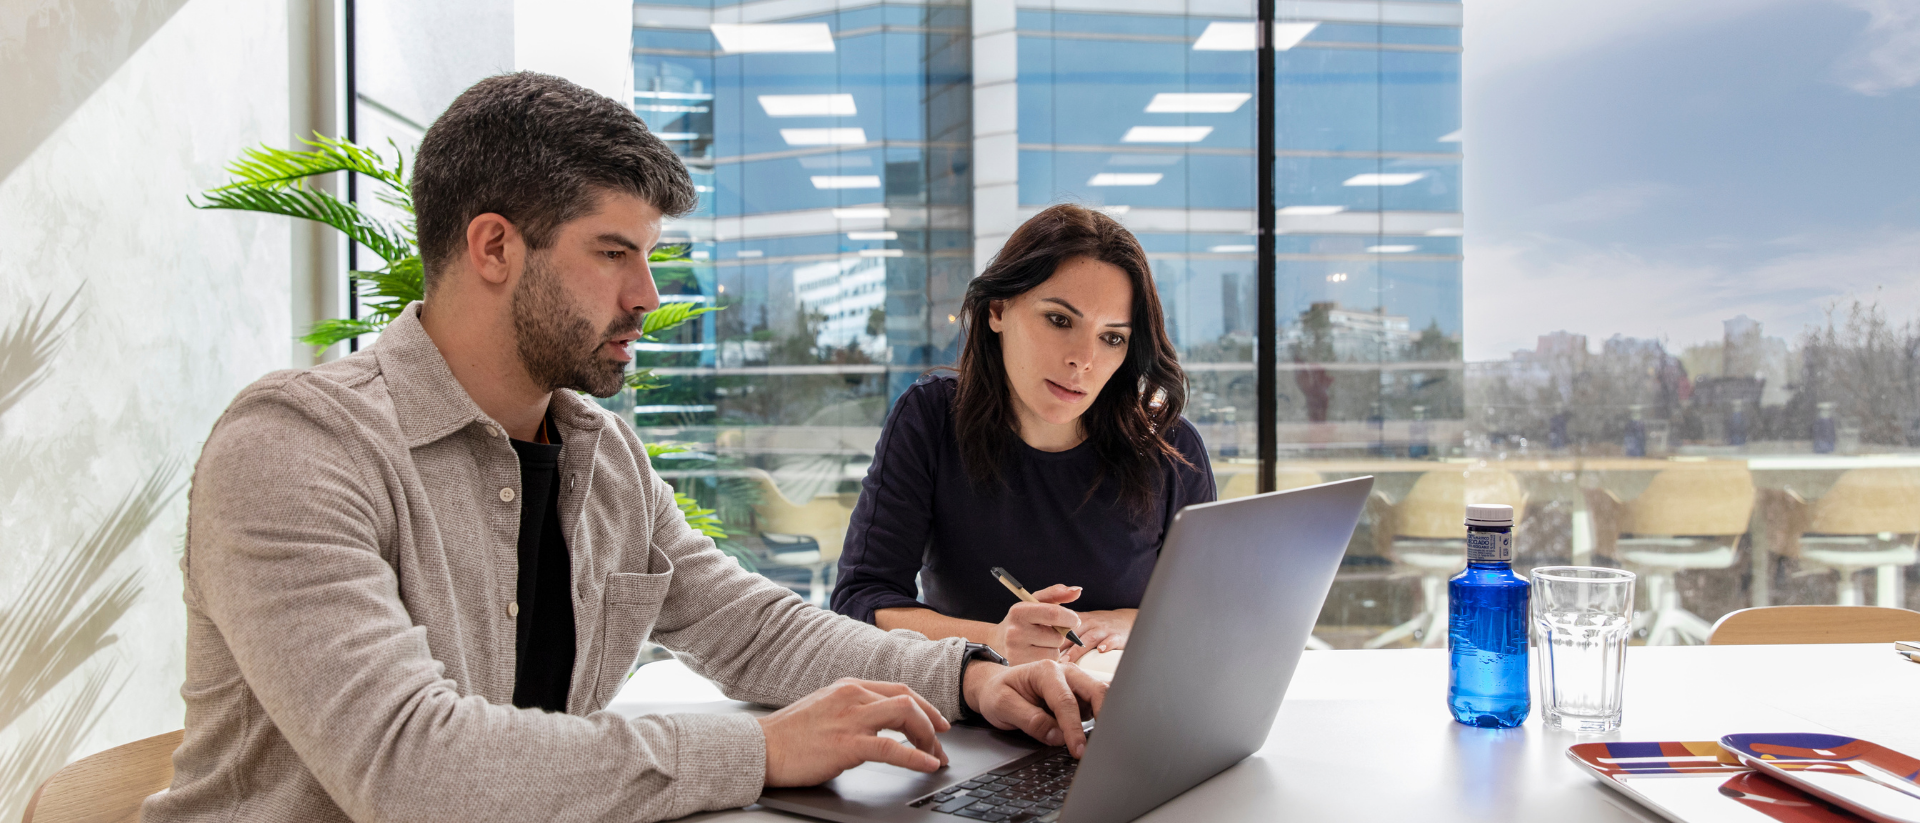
(1489, 546)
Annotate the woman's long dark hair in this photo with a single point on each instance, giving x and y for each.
(1129, 421)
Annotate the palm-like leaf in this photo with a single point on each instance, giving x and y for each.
(670, 315)
(706, 521)
(328, 332)
(664, 319)
(268, 167)
(702, 520)
(386, 293)
(642, 380)
(654, 450)
(392, 243)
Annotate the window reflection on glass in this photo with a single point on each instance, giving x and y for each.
(863, 162)
(1687, 335)
(830, 151)
(1687, 349)
(1149, 115)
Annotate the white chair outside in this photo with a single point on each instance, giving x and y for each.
(784, 523)
(1868, 520)
(1687, 519)
(1425, 534)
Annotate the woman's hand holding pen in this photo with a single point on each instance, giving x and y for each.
(1030, 631)
(1102, 631)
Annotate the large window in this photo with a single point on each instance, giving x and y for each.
(859, 163)
(831, 149)
(1680, 336)
(1142, 115)
(1690, 297)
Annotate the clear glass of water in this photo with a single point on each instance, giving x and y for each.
(1582, 618)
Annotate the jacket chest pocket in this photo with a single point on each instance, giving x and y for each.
(632, 605)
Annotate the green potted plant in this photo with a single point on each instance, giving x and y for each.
(275, 181)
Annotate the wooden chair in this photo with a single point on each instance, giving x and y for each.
(1870, 519)
(1816, 624)
(1426, 534)
(107, 787)
(1247, 483)
(1689, 518)
(823, 519)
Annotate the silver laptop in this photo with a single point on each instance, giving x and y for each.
(1232, 602)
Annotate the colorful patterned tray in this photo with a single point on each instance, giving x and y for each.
(1699, 782)
(1873, 780)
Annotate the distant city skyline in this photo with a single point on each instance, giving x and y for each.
(1651, 169)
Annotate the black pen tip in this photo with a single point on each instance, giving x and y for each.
(1075, 638)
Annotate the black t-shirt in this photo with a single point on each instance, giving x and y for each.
(920, 514)
(543, 631)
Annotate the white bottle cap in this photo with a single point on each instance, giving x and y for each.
(1489, 514)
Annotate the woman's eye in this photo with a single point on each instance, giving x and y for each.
(1058, 320)
(1116, 340)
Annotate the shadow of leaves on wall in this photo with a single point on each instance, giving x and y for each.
(69, 606)
(67, 615)
(28, 348)
(53, 742)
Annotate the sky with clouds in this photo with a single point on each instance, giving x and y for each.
(1652, 168)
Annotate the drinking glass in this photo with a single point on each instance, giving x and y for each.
(1582, 617)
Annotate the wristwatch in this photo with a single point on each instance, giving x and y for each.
(973, 652)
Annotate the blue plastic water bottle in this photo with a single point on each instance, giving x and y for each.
(1487, 626)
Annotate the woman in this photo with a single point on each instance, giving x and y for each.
(1057, 452)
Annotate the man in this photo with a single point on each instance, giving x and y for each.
(415, 575)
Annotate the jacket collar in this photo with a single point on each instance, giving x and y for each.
(432, 404)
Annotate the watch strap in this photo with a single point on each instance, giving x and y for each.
(974, 652)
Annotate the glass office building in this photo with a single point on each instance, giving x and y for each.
(859, 162)
(1148, 114)
(831, 147)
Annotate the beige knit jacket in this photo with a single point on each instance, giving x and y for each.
(350, 580)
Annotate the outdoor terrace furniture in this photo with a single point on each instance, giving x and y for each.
(1685, 519)
(1425, 534)
(1868, 519)
(822, 520)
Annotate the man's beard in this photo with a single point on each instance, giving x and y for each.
(558, 347)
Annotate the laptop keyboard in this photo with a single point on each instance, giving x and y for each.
(1018, 794)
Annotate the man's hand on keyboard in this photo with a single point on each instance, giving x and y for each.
(838, 727)
(1045, 699)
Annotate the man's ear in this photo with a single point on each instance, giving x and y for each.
(494, 248)
(995, 308)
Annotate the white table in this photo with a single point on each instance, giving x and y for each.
(1365, 735)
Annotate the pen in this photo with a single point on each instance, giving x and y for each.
(1025, 596)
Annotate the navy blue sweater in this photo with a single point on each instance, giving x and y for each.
(920, 514)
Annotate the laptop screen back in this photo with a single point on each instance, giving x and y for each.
(1232, 602)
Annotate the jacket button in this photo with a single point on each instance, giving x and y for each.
(506, 494)
(493, 431)
(513, 609)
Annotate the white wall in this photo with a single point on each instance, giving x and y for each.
(587, 41)
(177, 309)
